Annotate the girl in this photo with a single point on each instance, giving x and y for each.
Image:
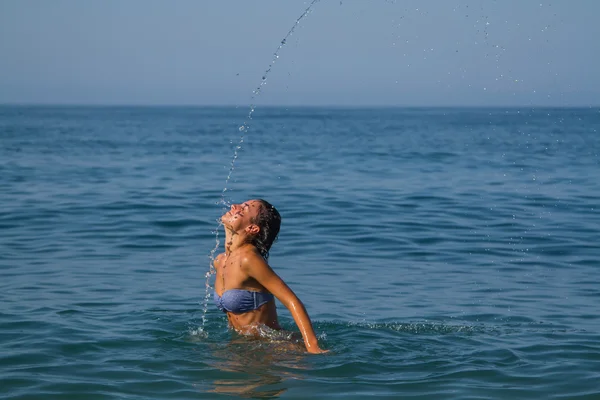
(246, 286)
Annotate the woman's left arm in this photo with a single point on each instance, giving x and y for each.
(256, 267)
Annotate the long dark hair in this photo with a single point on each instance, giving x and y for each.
(269, 221)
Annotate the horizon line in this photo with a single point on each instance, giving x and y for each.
(339, 106)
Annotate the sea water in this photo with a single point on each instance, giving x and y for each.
(441, 253)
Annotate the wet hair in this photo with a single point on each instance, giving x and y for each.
(269, 221)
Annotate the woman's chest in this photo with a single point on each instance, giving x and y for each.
(232, 275)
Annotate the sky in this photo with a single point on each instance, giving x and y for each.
(343, 53)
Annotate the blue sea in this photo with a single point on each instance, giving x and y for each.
(441, 253)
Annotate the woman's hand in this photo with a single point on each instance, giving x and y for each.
(317, 351)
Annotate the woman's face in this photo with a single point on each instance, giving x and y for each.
(240, 216)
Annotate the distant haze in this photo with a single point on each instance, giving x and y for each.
(348, 53)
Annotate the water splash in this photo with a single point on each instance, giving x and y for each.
(413, 327)
(244, 130)
(256, 92)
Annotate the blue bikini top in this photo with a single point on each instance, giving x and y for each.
(239, 301)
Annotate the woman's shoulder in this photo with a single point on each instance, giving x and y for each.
(219, 260)
(251, 258)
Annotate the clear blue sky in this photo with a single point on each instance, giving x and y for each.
(353, 52)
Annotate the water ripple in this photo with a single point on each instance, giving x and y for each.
(440, 253)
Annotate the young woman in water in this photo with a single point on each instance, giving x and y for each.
(246, 286)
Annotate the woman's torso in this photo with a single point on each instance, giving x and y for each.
(231, 276)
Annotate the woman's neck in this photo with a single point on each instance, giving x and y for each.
(234, 241)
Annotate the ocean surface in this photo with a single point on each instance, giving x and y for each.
(441, 253)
